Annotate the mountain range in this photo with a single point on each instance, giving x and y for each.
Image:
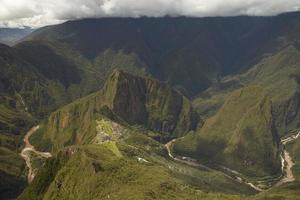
(11, 36)
(153, 108)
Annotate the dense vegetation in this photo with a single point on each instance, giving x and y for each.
(14, 121)
(190, 53)
(122, 162)
(106, 127)
(240, 136)
(125, 98)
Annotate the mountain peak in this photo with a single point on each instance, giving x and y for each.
(146, 101)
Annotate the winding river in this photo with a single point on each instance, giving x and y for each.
(286, 161)
(28, 150)
(286, 164)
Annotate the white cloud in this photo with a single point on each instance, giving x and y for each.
(38, 13)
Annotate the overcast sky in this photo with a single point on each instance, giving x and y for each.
(37, 13)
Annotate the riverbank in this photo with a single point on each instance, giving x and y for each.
(287, 164)
(28, 150)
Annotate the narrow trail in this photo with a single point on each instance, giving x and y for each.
(286, 162)
(28, 149)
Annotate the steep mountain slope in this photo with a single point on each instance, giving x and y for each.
(101, 153)
(288, 191)
(25, 94)
(274, 114)
(16, 76)
(277, 74)
(126, 98)
(39, 94)
(78, 76)
(191, 53)
(241, 136)
(14, 121)
(246, 113)
(151, 103)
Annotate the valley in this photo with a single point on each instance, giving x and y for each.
(152, 108)
(29, 152)
(287, 161)
(195, 163)
(286, 165)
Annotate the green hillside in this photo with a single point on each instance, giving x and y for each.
(95, 172)
(121, 153)
(129, 99)
(288, 191)
(14, 122)
(110, 94)
(240, 136)
(123, 162)
(277, 74)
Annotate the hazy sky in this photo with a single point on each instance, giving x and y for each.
(36, 13)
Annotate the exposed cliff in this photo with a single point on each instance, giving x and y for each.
(129, 99)
(150, 103)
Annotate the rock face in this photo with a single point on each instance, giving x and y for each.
(287, 113)
(127, 98)
(150, 103)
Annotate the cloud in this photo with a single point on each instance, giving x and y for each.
(36, 13)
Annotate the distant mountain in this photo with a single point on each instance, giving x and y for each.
(190, 53)
(109, 92)
(11, 36)
(19, 77)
